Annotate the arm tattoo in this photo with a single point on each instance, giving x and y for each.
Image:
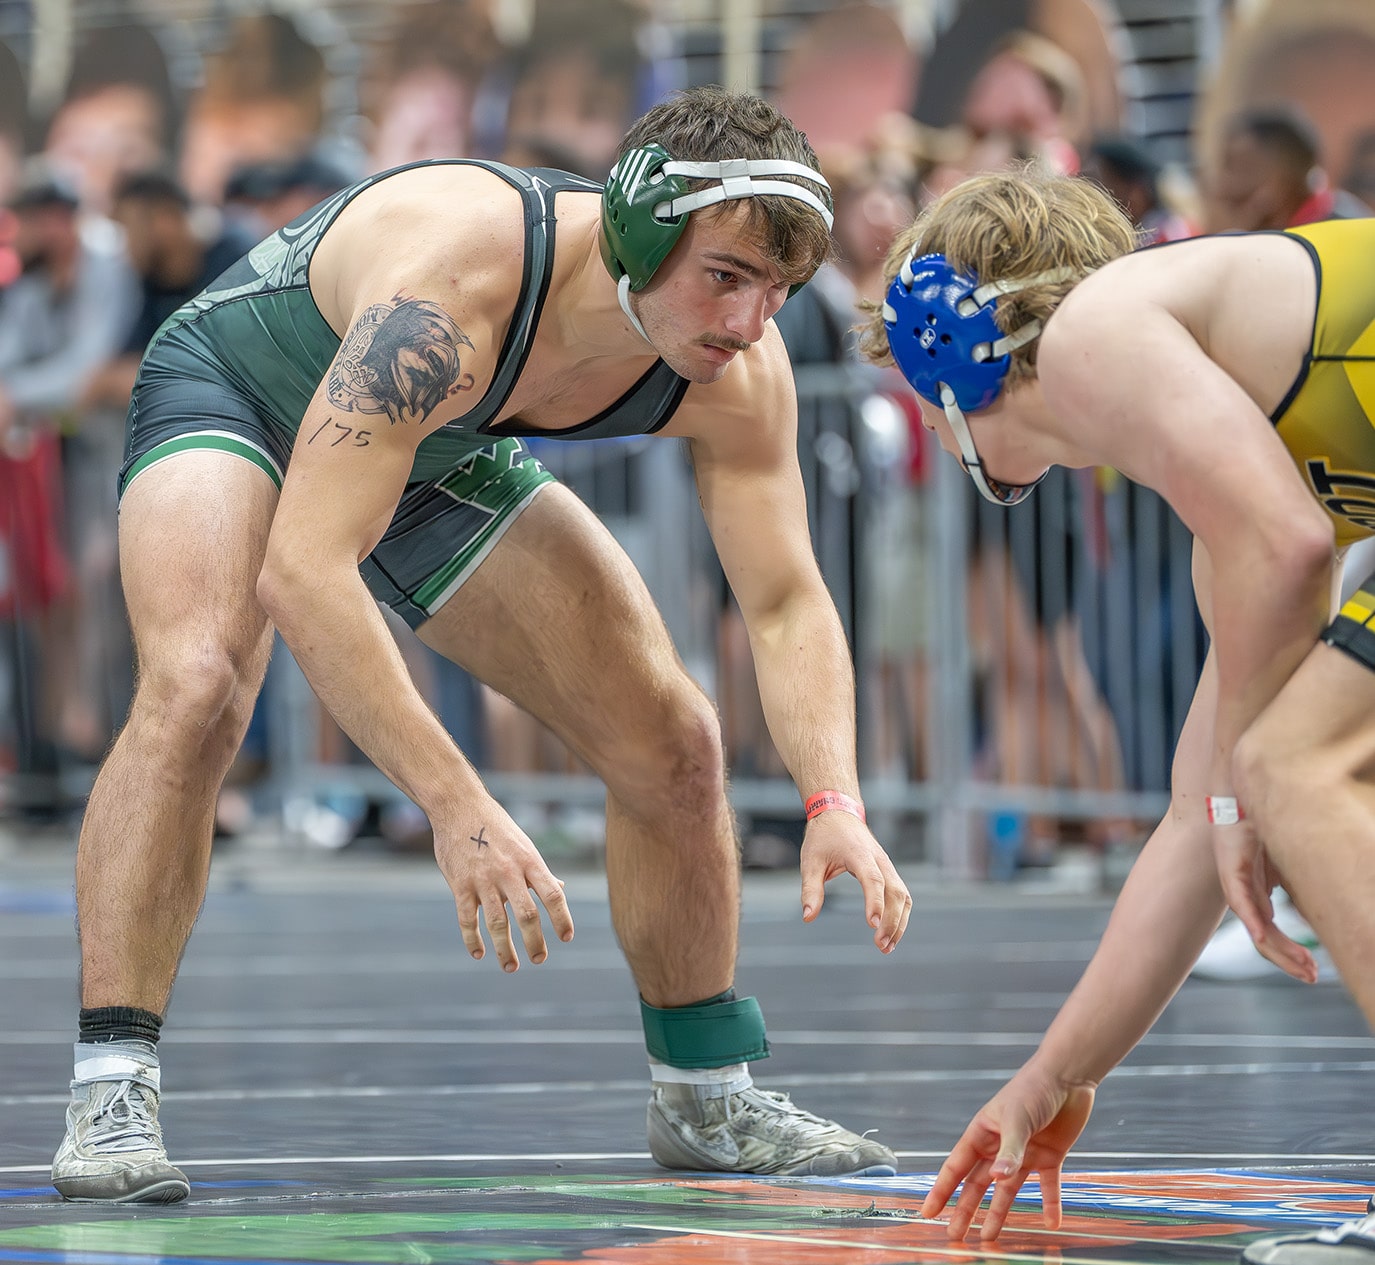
(400, 359)
(340, 433)
(478, 838)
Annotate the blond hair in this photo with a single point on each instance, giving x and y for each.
(1003, 226)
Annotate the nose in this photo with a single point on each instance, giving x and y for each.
(749, 312)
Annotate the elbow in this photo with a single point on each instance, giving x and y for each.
(272, 588)
(1307, 546)
(281, 585)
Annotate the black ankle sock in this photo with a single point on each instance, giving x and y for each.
(103, 1024)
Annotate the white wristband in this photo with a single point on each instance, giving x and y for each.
(1223, 810)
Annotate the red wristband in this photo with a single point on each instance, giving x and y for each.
(824, 800)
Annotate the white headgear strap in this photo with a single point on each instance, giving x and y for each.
(737, 177)
(623, 296)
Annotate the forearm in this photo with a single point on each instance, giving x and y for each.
(1169, 906)
(341, 641)
(807, 687)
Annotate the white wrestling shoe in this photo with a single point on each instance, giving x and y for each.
(698, 1127)
(1351, 1243)
(113, 1149)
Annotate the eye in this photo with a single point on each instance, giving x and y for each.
(722, 277)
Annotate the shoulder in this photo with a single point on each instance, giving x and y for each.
(433, 216)
(447, 233)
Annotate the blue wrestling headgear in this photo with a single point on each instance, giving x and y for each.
(944, 339)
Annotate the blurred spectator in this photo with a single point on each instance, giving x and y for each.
(263, 197)
(1080, 29)
(421, 80)
(1317, 56)
(71, 309)
(1031, 89)
(1125, 168)
(263, 99)
(1270, 175)
(576, 82)
(118, 113)
(1023, 105)
(174, 262)
(847, 69)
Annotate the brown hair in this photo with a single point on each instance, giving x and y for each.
(1006, 225)
(710, 124)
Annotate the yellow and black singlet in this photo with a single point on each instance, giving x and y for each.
(1327, 420)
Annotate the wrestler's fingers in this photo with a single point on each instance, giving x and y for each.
(499, 928)
(971, 1198)
(551, 895)
(1004, 1194)
(468, 927)
(1050, 1198)
(956, 1167)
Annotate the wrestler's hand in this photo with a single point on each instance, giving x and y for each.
(1027, 1127)
(492, 868)
(1247, 880)
(838, 843)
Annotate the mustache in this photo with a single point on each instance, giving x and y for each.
(727, 344)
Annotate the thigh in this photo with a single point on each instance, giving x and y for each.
(445, 527)
(192, 536)
(558, 619)
(1326, 710)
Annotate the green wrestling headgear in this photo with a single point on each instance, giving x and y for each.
(646, 203)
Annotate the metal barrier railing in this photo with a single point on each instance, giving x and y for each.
(1021, 674)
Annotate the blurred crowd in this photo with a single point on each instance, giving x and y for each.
(158, 165)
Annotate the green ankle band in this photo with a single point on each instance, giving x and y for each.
(706, 1035)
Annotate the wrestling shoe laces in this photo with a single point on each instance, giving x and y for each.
(125, 1119)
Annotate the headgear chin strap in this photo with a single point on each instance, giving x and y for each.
(948, 345)
(623, 298)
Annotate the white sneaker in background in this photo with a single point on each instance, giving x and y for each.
(1230, 954)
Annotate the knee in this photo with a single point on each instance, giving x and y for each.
(1275, 779)
(201, 694)
(675, 764)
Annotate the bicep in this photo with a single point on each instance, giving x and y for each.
(404, 367)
